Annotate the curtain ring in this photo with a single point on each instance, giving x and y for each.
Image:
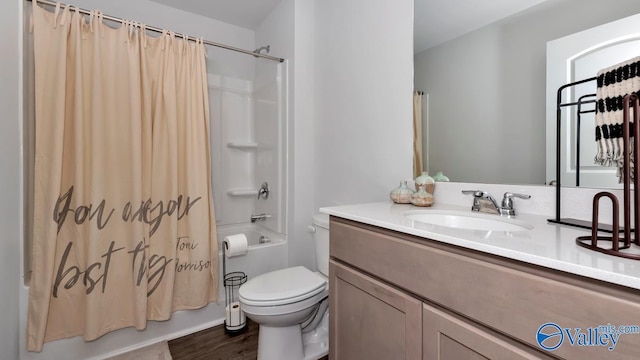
(165, 38)
(31, 25)
(100, 23)
(204, 49)
(125, 25)
(200, 42)
(172, 36)
(143, 34)
(92, 16)
(76, 18)
(131, 30)
(63, 18)
(55, 16)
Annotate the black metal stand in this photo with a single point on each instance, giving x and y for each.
(591, 242)
(235, 322)
(583, 100)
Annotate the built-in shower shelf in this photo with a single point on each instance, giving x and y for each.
(242, 145)
(242, 192)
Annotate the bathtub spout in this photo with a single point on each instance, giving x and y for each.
(260, 217)
(264, 239)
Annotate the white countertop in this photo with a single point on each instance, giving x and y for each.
(549, 245)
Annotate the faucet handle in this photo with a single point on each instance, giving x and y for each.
(477, 196)
(507, 200)
(509, 195)
(263, 193)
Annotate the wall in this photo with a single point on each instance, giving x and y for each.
(487, 91)
(290, 31)
(271, 163)
(350, 112)
(349, 133)
(301, 205)
(10, 174)
(183, 322)
(363, 102)
(231, 120)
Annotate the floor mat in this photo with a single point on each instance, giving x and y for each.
(159, 351)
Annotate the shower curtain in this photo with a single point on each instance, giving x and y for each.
(124, 228)
(417, 133)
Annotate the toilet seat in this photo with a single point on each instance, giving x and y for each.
(281, 287)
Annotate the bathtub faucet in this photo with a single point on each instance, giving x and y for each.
(259, 217)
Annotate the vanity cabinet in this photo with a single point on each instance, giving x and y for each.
(372, 320)
(398, 296)
(449, 337)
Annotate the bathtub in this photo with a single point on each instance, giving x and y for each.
(261, 257)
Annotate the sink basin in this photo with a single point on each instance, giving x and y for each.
(469, 221)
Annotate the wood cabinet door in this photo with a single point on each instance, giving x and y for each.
(447, 337)
(371, 320)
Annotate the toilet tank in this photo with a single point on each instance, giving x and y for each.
(321, 239)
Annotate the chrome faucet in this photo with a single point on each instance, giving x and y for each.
(259, 217)
(484, 202)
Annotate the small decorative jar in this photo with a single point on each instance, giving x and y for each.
(440, 177)
(427, 181)
(422, 197)
(401, 194)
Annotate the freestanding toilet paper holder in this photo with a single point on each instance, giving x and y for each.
(235, 322)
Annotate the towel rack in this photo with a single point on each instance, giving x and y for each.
(583, 100)
(591, 242)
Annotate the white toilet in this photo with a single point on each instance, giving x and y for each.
(291, 305)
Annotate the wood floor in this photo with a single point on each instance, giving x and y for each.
(214, 344)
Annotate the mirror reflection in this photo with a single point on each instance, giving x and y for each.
(483, 109)
(577, 57)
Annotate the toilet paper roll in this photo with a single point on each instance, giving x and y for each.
(235, 317)
(235, 245)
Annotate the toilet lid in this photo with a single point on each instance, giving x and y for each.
(290, 283)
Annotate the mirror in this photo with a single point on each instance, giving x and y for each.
(578, 57)
(484, 112)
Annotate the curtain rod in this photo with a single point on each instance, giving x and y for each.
(159, 30)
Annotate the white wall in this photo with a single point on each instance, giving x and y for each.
(271, 163)
(363, 99)
(487, 91)
(301, 205)
(290, 31)
(350, 129)
(10, 175)
(231, 120)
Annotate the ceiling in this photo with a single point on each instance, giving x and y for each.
(436, 21)
(244, 13)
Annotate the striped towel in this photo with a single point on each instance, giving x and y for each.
(614, 83)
